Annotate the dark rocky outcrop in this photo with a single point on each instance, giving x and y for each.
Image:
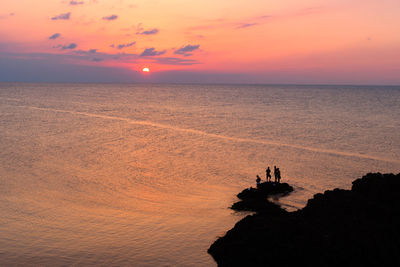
(357, 227)
(256, 199)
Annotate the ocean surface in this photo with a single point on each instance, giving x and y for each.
(143, 175)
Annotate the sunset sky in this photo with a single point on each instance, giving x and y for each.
(238, 41)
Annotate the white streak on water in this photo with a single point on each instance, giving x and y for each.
(235, 139)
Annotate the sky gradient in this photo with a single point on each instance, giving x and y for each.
(241, 41)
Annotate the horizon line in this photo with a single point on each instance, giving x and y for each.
(206, 83)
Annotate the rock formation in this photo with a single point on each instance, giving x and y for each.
(357, 227)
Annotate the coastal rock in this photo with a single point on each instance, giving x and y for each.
(255, 199)
(357, 227)
(264, 190)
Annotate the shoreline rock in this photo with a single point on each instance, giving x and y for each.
(357, 227)
(256, 199)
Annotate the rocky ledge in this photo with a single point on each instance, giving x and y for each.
(357, 227)
(256, 199)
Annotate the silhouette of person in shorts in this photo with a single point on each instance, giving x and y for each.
(268, 174)
(278, 175)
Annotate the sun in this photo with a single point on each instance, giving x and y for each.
(146, 69)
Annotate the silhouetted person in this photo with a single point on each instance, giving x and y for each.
(278, 175)
(258, 180)
(275, 173)
(268, 174)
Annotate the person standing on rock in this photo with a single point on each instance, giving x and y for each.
(275, 173)
(268, 174)
(278, 175)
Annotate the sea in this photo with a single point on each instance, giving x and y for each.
(144, 174)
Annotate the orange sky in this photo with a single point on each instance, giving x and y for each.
(324, 40)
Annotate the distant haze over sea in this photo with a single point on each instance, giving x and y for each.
(28, 71)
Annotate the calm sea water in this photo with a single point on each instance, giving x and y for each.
(143, 175)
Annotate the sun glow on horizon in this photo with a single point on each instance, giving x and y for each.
(146, 69)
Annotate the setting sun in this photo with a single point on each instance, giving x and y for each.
(146, 69)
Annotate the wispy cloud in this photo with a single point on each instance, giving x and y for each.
(6, 16)
(92, 55)
(67, 47)
(246, 25)
(225, 23)
(148, 32)
(175, 61)
(151, 52)
(121, 46)
(254, 21)
(64, 16)
(259, 20)
(186, 50)
(111, 17)
(54, 36)
(75, 3)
